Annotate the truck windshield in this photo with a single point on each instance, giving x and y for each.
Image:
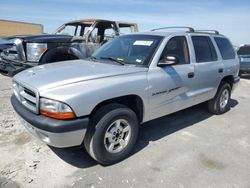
(244, 50)
(129, 49)
(73, 29)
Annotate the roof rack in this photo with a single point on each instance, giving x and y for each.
(208, 31)
(190, 29)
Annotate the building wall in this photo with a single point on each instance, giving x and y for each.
(9, 28)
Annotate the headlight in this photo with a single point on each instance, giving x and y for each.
(55, 109)
(35, 51)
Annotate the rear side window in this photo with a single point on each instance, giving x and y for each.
(204, 49)
(225, 47)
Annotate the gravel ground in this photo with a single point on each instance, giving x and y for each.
(191, 148)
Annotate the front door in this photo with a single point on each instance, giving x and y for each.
(170, 86)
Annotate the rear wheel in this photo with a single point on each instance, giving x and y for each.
(220, 103)
(112, 134)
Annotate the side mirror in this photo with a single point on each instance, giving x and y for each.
(168, 60)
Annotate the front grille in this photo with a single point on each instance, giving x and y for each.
(10, 53)
(30, 92)
(26, 96)
(14, 52)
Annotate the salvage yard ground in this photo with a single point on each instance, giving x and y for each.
(191, 148)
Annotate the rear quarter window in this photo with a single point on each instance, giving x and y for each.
(225, 47)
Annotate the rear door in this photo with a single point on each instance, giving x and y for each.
(208, 67)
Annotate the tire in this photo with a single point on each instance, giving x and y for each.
(103, 134)
(215, 105)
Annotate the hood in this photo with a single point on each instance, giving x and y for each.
(3, 41)
(44, 38)
(53, 75)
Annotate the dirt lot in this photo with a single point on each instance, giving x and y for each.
(191, 148)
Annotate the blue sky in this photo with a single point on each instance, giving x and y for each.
(231, 18)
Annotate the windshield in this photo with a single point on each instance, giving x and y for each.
(244, 50)
(129, 49)
(69, 30)
(73, 30)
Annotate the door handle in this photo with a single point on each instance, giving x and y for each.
(220, 70)
(191, 75)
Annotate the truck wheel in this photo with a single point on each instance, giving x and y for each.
(112, 134)
(220, 103)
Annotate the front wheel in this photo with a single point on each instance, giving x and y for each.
(220, 103)
(112, 134)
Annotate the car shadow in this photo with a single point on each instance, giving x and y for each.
(233, 103)
(164, 126)
(150, 131)
(75, 156)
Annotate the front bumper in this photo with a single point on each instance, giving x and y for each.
(9, 68)
(57, 133)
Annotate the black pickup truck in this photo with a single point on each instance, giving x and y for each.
(73, 40)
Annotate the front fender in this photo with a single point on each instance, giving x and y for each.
(61, 51)
(84, 96)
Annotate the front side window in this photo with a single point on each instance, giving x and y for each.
(109, 33)
(129, 49)
(178, 48)
(225, 47)
(94, 37)
(204, 49)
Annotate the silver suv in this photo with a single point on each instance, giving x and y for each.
(244, 56)
(130, 80)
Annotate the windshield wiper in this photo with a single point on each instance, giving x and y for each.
(114, 60)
